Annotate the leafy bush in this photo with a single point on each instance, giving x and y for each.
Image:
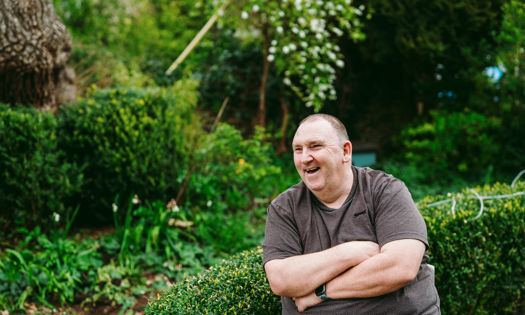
(35, 178)
(131, 141)
(236, 286)
(452, 143)
(232, 179)
(479, 262)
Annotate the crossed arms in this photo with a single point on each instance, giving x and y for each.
(355, 269)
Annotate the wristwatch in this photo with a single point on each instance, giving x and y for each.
(321, 292)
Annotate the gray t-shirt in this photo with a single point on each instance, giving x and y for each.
(379, 209)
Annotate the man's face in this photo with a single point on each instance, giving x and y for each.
(319, 156)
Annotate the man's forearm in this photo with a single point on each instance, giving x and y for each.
(393, 268)
(300, 275)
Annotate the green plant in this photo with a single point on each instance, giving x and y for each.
(452, 144)
(130, 141)
(236, 286)
(231, 179)
(35, 177)
(478, 255)
(119, 283)
(50, 270)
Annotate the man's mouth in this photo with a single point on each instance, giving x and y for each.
(312, 170)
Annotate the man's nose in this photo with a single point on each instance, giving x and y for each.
(306, 156)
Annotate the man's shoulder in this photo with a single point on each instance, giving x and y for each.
(371, 178)
(291, 195)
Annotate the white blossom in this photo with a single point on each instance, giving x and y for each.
(287, 81)
(57, 217)
(286, 49)
(272, 50)
(340, 63)
(255, 8)
(135, 200)
(115, 207)
(270, 58)
(244, 15)
(337, 31)
(279, 29)
(209, 203)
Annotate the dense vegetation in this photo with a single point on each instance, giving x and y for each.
(150, 176)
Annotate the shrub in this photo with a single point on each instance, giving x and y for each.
(452, 143)
(231, 181)
(130, 141)
(35, 178)
(236, 286)
(479, 263)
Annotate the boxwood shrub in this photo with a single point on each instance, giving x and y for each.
(479, 260)
(130, 141)
(35, 177)
(236, 286)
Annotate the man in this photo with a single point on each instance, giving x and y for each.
(345, 240)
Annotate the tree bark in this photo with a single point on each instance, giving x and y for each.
(35, 47)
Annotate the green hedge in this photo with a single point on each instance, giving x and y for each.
(131, 142)
(236, 286)
(35, 178)
(479, 263)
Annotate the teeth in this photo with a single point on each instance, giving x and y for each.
(312, 170)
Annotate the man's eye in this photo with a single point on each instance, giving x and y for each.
(315, 146)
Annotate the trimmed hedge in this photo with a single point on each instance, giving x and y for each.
(35, 178)
(131, 142)
(479, 263)
(236, 286)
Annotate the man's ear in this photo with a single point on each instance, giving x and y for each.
(347, 151)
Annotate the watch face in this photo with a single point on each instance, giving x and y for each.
(320, 290)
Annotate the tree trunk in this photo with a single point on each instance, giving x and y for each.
(34, 49)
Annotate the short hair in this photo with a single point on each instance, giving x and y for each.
(338, 126)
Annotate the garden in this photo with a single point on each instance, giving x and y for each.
(147, 194)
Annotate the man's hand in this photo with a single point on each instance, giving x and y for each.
(306, 301)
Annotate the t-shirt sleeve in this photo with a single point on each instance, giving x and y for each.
(396, 215)
(281, 238)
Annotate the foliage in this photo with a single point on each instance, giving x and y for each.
(480, 260)
(302, 39)
(46, 269)
(237, 285)
(231, 181)
(131, 141)
(35, 176)
(453, 143)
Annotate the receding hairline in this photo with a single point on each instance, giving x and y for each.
(336, 124)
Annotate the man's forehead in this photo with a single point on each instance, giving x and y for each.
(315, 131)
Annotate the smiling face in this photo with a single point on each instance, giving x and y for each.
(322, 160)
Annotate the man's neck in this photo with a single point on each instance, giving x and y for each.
(336, 197)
